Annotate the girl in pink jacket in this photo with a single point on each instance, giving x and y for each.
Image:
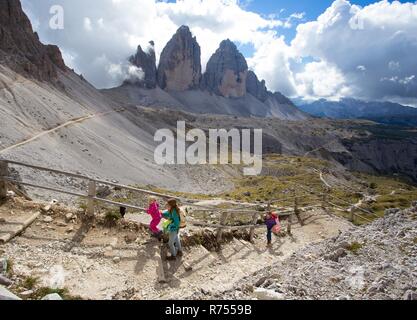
(156, 215)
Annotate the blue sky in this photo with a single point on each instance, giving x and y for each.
(284, 8)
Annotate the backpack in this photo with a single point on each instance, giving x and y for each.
(165, 225)
(277, 228)
(183, 219)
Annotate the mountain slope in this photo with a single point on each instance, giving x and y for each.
(109, 144)
(203, 102)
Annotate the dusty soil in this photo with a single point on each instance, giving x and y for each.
(97, 262)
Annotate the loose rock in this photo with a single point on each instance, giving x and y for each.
(52, 296)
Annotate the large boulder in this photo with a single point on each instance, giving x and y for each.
(20, 48)
(5, 281)
(266, 294)
(180, 63)
(146, 61)
(53, 297)
(7, 295)
(226, 72)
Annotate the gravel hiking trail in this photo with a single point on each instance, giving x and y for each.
(55, 129)
(111, 263)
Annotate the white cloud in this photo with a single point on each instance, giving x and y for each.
(381, 36)
(403, 81)
(294, 17)
(394, 65)
(87, 24)
(320, 79)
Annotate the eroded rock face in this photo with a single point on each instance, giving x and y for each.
(20, 48)
(255, 87)
(180, 65)
(226, 72)
(146, 60)
(55, 55)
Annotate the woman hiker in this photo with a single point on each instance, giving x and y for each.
(173, 228)
(271, 220)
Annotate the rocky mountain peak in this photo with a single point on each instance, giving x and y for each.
(226, 72)
(20, 48)
(180, 63)
(255, 87)
(146, 60)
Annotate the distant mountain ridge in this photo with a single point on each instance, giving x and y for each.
(348, 108)
(226, 87)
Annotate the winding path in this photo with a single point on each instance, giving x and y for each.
(66, 124)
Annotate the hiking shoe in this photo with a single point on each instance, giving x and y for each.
(171, 258)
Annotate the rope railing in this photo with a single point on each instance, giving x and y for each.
(241, 208)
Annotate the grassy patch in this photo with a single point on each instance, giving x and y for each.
(82, 204)
(282, 178)
(382, 131)
(393, 193)
(354, 247)
(112, 216)
(9, 269)
(30, 282)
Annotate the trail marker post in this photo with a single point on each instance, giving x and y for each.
(252, 230)
(92, 189)
(3, 173)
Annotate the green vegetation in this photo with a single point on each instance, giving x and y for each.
(382, 131)
(285, 177)
(30, 282)
(9, 270)
(82, 205)
(391, 193)
(354, 247)
(112, 216)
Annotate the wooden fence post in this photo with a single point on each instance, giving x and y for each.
(3, 172)
(324, 201)
(160, 268)
(223, 217)
(289, 224)
(297, 211)
(352, 214)
(252, 230)
(91, 195)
